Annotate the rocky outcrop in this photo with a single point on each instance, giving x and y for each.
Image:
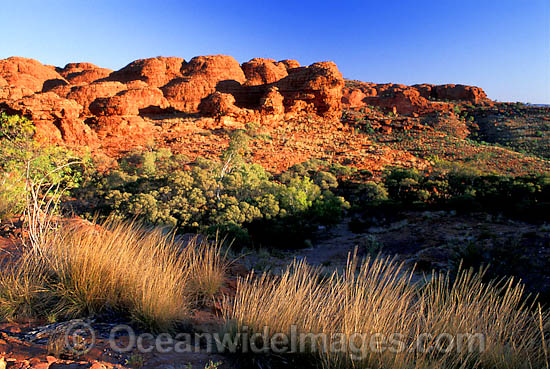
(27, 73)
(416, 99)
(317, 87)
(405, 100)
(289, 63)
(130, 102)
(156, 72)
(56, 119)
(263, 71)
(272, 103)
(219, 104)
(86, 94)
(460, 92)
(14, 92)
(200, 78)
(123, 127)
(83, 73)
(76, 103)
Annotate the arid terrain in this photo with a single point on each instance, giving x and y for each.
(275, 168)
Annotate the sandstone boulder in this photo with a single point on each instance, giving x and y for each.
(28, 73)
(452, 92)
(129, 102)
(156, 72)
(200, 78)
(86, 94)
(272, 103)
(218, 104)
(262, 71)
(83, 73)
(319, 85)
(56, 119)
(128, 129)
(14, 93)
(397, 98)
(289, 63)
(353, 97)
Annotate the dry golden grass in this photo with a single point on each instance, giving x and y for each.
(85, 269)
(377, 297)
(206, 270)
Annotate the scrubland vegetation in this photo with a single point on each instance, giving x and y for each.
(130, 259)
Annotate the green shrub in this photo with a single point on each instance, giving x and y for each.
(22, 159)
(230, 196)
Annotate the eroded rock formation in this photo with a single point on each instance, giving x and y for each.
(81, 102)
(407, 100)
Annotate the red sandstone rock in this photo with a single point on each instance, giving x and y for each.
(353, 97)
(83, 73)
(200, 78)
(156, 72)
(319, 85)
(417, 99)
(129, 102)
(452, 92)
(129, 129)
(460, 92)
(86, 94)
(55, 118)
(262, 71)
(400, 99)
(289, 63)
(218, 104)
(272, 103)
(28, 73)
(14, 93)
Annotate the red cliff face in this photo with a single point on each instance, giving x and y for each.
(81, 103)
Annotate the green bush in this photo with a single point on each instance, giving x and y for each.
(230, 196)
(526, 197)
(22, 160)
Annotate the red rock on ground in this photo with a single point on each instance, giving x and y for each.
(272, 103)
(218, 104)
(14, 92)
(353, 97)
(130, 130)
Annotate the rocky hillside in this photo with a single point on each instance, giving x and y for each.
(302, 112)
(82, 103)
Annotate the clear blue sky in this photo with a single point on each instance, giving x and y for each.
(502, 46)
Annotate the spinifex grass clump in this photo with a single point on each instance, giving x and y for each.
(389, 322)
(82, 269)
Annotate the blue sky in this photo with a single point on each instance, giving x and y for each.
(502, 46)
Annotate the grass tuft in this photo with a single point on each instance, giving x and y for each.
(84, 269)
